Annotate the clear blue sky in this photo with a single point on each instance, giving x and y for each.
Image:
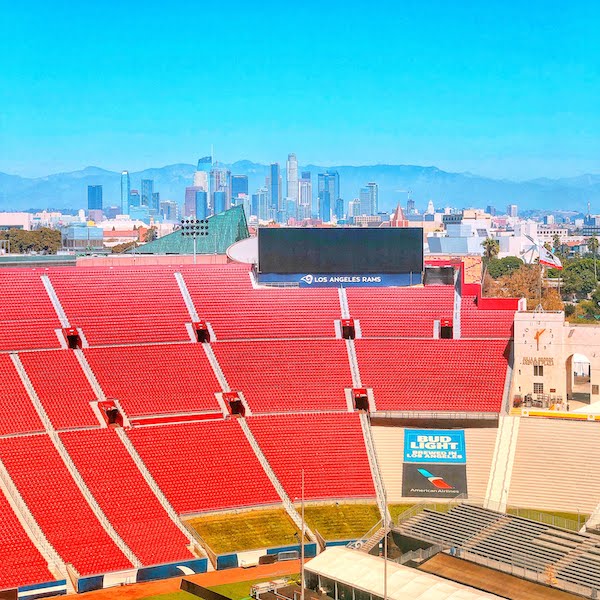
(502, 88)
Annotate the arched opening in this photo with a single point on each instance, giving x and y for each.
(579, 378)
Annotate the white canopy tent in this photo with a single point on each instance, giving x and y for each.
(364, 572)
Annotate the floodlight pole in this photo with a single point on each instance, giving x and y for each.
(194, 227)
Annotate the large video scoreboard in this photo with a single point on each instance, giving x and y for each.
(341, 256)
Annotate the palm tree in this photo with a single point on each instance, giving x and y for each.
(491, 247)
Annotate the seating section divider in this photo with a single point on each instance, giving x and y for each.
(27, 317)
(58, 506)
(434, 375)
(329, 447)
(288, 375)
(124, 496)
(204, 466)
(157, 379)
(62, 387)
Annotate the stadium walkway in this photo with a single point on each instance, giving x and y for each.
(137, 591)
(491, 581)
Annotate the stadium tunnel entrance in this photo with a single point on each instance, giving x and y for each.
(579, 378)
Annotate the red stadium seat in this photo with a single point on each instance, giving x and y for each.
(320, 444)
(119, 488)
(27, 318)
(58, 506)
(204, 466)
(400, 312)
(288, 376)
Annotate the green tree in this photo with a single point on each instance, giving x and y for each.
(120, 248)
(151, 235)
(556, 243)
(578, 280)
(499, 267)
(43, 240)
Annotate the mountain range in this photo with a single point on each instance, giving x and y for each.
(461, 190)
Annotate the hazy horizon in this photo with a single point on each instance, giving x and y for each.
(301, 164)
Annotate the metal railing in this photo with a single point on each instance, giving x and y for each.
(434, 506)
(425, 414)
(367, 536)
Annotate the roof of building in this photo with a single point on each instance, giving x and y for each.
(364, 571)
(224, 229)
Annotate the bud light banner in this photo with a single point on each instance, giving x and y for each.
(435, 446)
(309, 280)
(433, 481)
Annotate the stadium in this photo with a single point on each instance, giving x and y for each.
(171, 419)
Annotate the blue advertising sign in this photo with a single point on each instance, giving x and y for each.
(343, 279)
(435, 446)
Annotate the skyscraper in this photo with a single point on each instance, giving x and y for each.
(329, 192)
(201, 208)
(292, 177)
(254, 204)
(354, 208)
(339, 209)
(512, 210)
(325, 206)
(156, 201)
(125, 189)
(220, 181)
(263, 203)
(189, 206)
(374, 194)
(134, 199)
(147, 191)
(239, 185)
(365, 202)
(275, 196)
(202, 171)
(219, 202)
(169, 210)
(305, 196)
(94, 193)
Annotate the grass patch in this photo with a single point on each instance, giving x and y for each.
(398, 509)
(246, 531)
(566, 520)
(241, 589)
(172, 596)
(342, 521)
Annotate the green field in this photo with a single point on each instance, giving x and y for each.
(246, 531)
(342, 521)
(241, 589)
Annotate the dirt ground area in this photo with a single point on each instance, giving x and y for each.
(492, 581)
(136, 591)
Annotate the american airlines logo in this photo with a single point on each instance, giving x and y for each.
(307, 279)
